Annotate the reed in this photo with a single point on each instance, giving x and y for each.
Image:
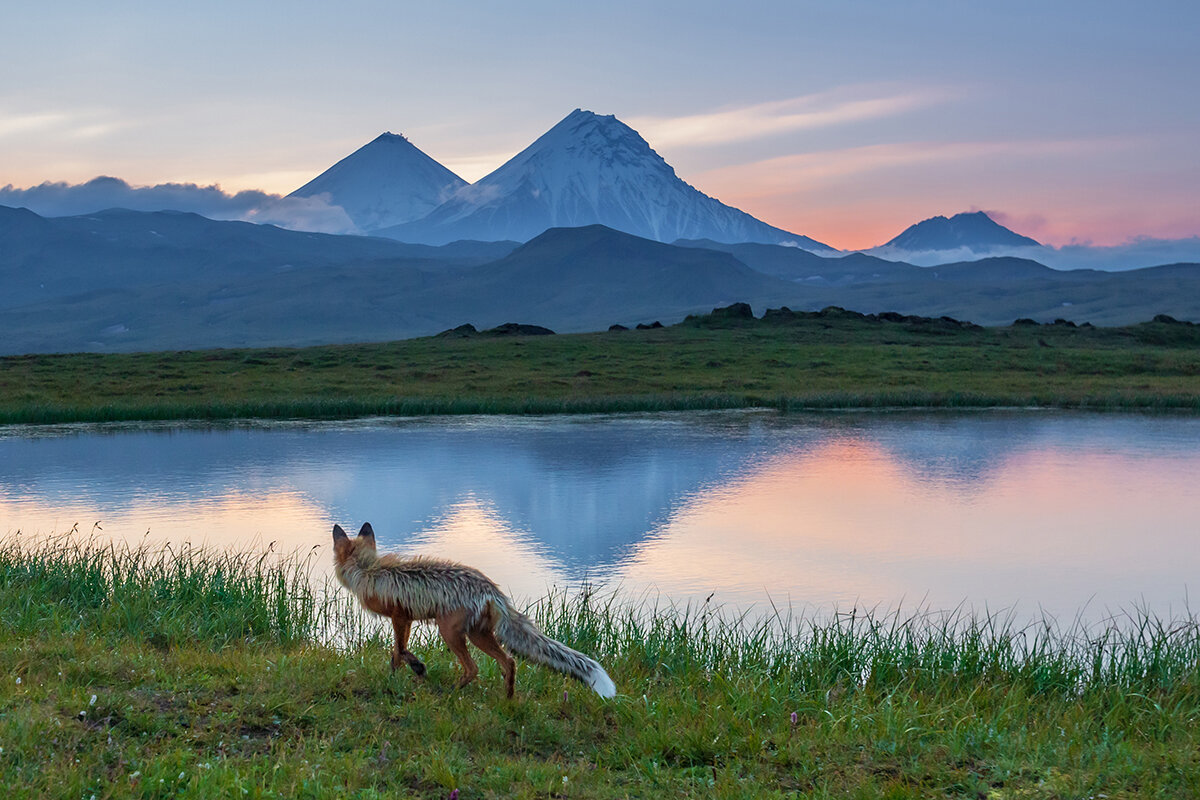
(141, 671)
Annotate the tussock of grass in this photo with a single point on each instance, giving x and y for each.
(148, 673)
(167, 596)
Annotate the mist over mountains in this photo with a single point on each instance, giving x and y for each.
(974, 235)
(587, 169)
(586, 227)
(57, 199)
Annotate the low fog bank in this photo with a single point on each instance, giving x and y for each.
(1141, 252)
(62, 199)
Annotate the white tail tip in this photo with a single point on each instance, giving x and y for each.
(601, 683)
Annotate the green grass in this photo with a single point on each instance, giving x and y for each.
(824, 360)
(195, 674)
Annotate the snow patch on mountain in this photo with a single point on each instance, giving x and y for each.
(589, 169)
(385, 182)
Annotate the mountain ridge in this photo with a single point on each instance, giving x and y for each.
(588, 169)
(126, 280)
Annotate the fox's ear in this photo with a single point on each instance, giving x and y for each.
(338, 533)
(366, 530)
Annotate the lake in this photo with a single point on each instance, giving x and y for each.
(1030, 511)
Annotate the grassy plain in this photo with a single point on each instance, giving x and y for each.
(823, 360)
(198, 675)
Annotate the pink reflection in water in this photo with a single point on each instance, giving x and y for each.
(843, 510)
(285, 522)
(847, 524)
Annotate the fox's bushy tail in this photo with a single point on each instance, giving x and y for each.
(518, 632)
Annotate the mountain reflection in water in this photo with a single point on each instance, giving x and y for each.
(1042, 510)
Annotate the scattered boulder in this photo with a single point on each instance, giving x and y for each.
(461, 331)
(734, 311)
(1024, 322)
(922, 324)
(1064, 322)
(779, 315)
(641, 326)
(617, 327)
(518, 329)
(1167, 319)
(837, 312)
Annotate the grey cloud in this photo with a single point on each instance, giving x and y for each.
(65, 199)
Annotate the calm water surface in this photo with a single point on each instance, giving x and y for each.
(1033, 511)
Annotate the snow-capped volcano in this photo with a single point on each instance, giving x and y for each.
(385, 182)
(589, 169)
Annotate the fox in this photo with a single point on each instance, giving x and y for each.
(463, 602)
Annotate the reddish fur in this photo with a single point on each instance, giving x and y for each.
(453, 627)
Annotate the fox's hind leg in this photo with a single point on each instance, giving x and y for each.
(400, 655)
(486, 641)
(453, 629)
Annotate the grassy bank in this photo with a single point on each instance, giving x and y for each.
(152, 674)
(824, 360)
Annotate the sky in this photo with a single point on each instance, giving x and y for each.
(1071, 122)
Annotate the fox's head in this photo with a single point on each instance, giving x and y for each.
(359, 548)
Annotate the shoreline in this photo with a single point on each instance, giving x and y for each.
(410, 408)
(824, 361)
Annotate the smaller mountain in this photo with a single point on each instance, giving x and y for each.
(974, 231)
(1000, 270)
(585, 278)
(386, 182)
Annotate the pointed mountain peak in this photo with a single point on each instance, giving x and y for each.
(387, 137)
(585, 133)
(387, 181)
(589, 169)
(582, 116)
(974, 230)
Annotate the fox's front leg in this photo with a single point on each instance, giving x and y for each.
(400, 655)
